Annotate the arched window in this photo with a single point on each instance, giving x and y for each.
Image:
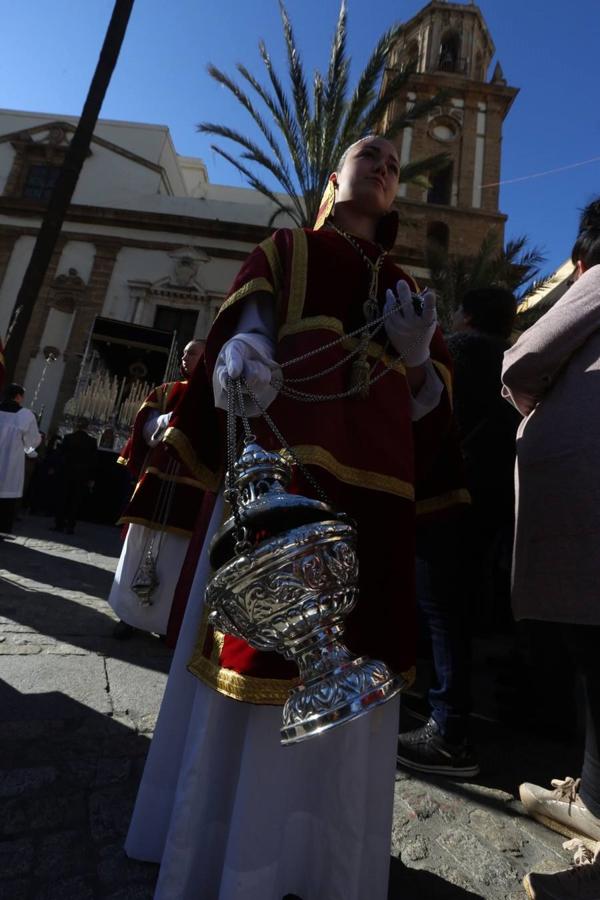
(449, 52)
(440, 191)
(438, 236)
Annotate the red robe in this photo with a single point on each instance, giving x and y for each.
(361, 451)
(155, 469)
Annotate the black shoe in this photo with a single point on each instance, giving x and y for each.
(425, 750)
(122, 631)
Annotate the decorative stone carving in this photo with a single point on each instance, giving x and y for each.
(66, 291)
(182, 286)
(186, 262)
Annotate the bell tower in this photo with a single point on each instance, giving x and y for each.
(450, 49)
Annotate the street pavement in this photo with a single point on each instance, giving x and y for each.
(78, 708)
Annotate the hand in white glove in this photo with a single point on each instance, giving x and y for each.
(248, 356)
(239, 359)
(410, 332)
(160, 426)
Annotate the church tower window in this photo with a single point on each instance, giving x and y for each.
(449, 59)
(438, 237)
(440, 191)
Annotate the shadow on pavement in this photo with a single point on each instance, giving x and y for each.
(66, 572)
(82, 626)
(68, 781)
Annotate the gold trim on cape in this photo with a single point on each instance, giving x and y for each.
(363, 478)
(269, 248)
(207, 479)
(246, 688)
(299, 270)
(254, 286)
(330, 323)
(443, 501)
(177, 479)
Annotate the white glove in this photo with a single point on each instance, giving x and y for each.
(410, 332)
(160, 426)
(248, 356)
(239, 359)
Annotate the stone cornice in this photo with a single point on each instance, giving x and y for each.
(141, 219)
(433, 82)
(439, 211)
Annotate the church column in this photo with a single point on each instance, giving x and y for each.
(38, 316)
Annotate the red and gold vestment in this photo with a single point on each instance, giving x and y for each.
(371, 460)
(167, 494)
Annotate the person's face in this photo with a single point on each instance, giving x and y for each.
(368, 179)
(192, 354)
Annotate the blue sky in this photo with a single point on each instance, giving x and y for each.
(547, 48)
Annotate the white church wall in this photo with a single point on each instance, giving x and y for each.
(106, 174)
(13, 278)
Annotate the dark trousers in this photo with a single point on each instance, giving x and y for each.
(443, 601)
(8, 511)
(583, 642)
(69, 502)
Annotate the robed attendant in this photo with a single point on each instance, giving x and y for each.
(227, 811)
(160, 514)
(19, 436)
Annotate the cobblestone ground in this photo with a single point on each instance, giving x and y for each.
(77, 710)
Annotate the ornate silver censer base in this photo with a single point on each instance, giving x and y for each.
(287, 577)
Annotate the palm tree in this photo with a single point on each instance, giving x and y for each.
(313, 132)
(513, 266)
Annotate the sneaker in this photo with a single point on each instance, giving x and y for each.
(425, 750)
(582, 882)
(561, 809)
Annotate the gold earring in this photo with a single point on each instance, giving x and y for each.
(327, 206)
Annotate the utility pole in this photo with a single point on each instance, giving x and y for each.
(64, 188)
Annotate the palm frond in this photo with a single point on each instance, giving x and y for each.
(297, 79)
(366, 89)
(256, 183)
(286, 120)
(335, 88)
(281, 113)
(310, 130)
(278, 169)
